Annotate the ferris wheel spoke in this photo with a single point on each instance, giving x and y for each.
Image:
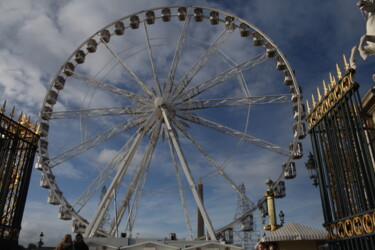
(181, 189)
(142, 168)
(98, 182)
(185, 167)
(129, 70)
(96, 140)
(222, 77)
(177, 54)
(109, 195)
(152, 60)
(235, 133)
(111, 88)
(126, 110)
(234, 102)
(214, 164)
(135, 205)
(184, 82)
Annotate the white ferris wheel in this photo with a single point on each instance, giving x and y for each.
(182, 90)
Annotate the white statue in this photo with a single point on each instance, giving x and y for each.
(368, 7)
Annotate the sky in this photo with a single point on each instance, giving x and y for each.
(37, 37)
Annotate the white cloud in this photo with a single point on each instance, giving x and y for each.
(106, 155)
(40, 217)
(66, 170)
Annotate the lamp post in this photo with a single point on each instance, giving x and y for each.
(40, 243)
(270, 194)
(311, 167)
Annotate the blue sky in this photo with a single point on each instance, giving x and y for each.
(37, 38)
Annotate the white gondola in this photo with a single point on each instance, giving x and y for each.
(80, 57)
(150, 17)
(181, 13)
(68, 69)
(78, 227)
(280, 190)
(244, 30)
(52, 97)
(41, 163)
(214, 17)
(64, 213)
(229, 22)
(247, 224)
(166, 14)
(294, 93)
(198, 14)
(299, 110)
(280, 64)
(59, 83)
(270, 50)
(54, 197)
(134, 22)
(297, 151)
(46, 113)
(44, 128)
(228, 236)
(43, 145)
(46, 179)
(119, 28)
(299, 130)
(105, 36)
(288, 80)
(91, 45)
(258, 39)
(290, 171)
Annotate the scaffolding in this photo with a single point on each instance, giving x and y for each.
(246, 234)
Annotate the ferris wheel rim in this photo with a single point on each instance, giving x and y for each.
(47, 170)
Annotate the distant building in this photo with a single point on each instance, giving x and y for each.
(293, 236)
(368, 104)
(99, 243)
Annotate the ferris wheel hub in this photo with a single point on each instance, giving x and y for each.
(160, 101)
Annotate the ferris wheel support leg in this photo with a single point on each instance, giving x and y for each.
(137, 179)
(188, 176)
(104, 204)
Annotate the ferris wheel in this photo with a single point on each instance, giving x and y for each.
(186, 90)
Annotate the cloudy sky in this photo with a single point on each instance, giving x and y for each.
(37, 37)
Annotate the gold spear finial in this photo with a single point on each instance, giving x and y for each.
(24, 120)
(29, 124)
(313, 101)
(11, 115)
(2, 110)
(319, 95)
(325, 88)
(332, 79)
(346, 64)
(339, 75)
(19, 119)
(37, 129)
(308, 107)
